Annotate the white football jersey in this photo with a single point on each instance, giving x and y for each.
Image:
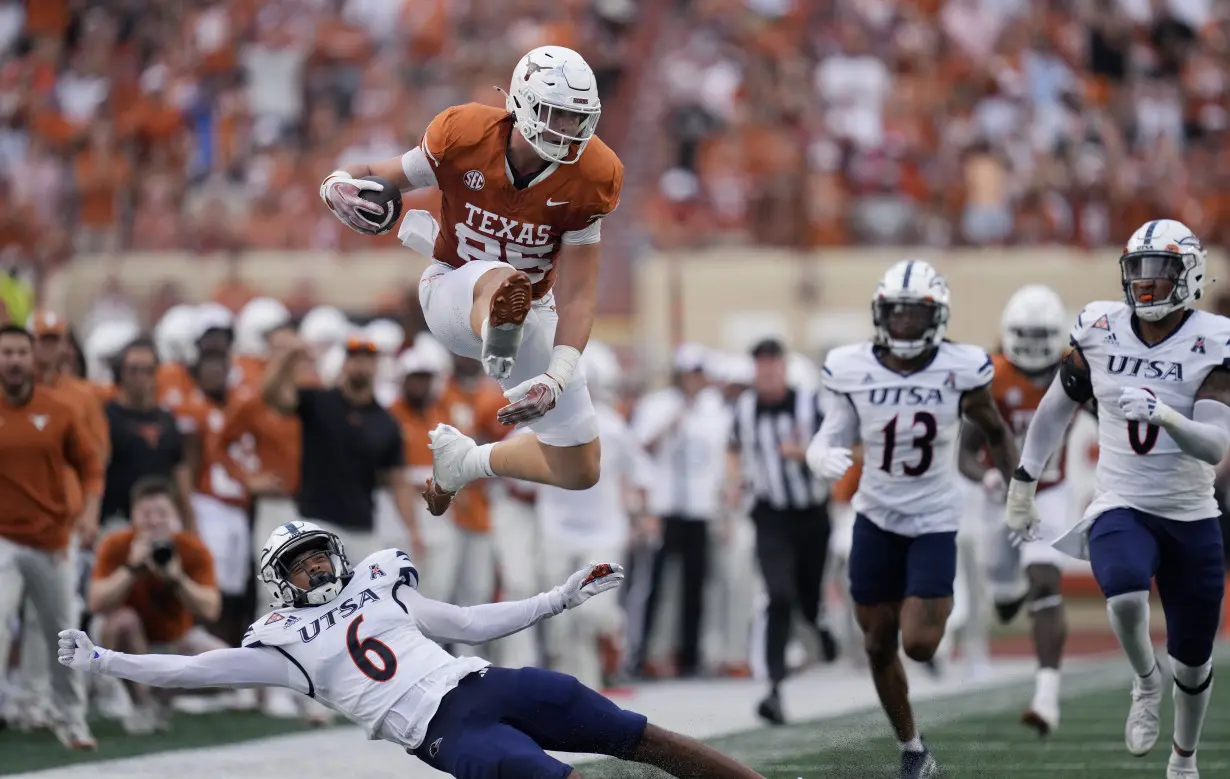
(1139, 465)
(910, 426)
(363, 652)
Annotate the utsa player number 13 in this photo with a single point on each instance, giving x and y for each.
(514, 277)
(1159, 372)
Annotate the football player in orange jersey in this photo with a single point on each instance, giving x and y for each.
(1034, 330)
(514, 281)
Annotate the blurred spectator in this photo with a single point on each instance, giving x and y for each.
(43, 439)
(151, 583)
(684, 429)
(145, 438)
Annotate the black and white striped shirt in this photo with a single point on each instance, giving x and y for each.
(758, 432)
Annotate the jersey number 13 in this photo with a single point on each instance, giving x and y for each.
(923, 443)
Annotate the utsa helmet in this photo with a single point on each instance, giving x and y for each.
(910, 309)
(553, 97)
(277, 557)
(1034, 328)
(1163, 269)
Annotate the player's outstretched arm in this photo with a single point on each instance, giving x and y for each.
(218, 668)
(978, 406)
(1206, 436)
(447, 623)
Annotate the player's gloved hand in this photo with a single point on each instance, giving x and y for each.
(585, 584)
(78, 652)
(826, 463)
(1141, 405)
(1020, 509)
(993, 485)
(340, 192)
(530, 400)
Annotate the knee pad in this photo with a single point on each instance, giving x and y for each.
(1192, 680)
(1130, 607)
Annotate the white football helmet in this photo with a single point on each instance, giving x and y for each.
(174, 334)
(1162, 269)
(212, 316)
(553, 97)
(275, 559)
(256, 319)
(103, 344)
(1034, 328)
(387, 335)
(910, 309)
(601, 371)
(325, 326)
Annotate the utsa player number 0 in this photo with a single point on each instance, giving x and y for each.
(1139, 446)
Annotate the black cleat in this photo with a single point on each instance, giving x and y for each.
(829, 649)
(918, 765)
(770, 710)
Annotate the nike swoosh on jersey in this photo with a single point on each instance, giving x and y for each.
(551, 202)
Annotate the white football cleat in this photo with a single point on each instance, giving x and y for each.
(1144, 718)
(1041, 717)
(449, 447)
(1182, 767)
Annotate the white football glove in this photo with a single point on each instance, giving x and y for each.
(78, 652)
(1141, 405)
(1021, 511)
(340, 191)
(828, 464)
(585, 584)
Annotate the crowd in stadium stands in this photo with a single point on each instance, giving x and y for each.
(946, 122)
(208, 124)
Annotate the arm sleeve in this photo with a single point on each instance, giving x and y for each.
(217, 668)
(417, 168)
(1046, 430)
(590, 234)
(477, 624)
(840, 426)
(1206, 436)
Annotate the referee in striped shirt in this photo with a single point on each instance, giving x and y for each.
(773, 424)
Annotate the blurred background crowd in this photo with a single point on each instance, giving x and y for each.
(206, 127)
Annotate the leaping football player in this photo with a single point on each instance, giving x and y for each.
(362, 641)
(515, 272)
(1033, 339)
(1159, 372)
(904, 394)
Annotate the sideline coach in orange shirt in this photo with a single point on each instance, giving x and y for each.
(41, 437)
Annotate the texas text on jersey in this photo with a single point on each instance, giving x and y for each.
(909, 427)
(1139, 465)
(486, 214)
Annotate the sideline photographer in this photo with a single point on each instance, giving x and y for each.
(152, 583)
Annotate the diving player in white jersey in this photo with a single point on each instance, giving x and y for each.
(1159, 372)
(363, 642)
(904, 394)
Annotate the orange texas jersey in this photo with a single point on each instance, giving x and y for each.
(1018, 399)
(484, 217)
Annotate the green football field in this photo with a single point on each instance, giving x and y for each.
(976, 737)
(971, 734)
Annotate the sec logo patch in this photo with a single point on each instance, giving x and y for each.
(473, 179)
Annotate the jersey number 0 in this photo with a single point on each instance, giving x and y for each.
(921, 442)
(1140, 446)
